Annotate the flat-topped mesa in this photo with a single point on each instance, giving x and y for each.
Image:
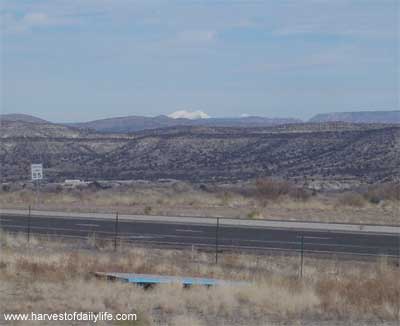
(389, 117)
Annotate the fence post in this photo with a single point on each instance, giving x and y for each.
(29, 223)
(116, 232)
(302, 256)
(216, 241)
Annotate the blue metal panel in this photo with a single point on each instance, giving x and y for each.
(147, 279)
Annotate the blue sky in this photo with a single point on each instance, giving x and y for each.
(77, 60)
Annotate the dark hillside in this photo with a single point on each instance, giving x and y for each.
(321, 152)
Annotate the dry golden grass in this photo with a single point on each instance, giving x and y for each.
(378, 205)
(50, 276)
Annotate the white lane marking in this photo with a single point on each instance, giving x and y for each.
(52, 229)
(186, 230)
(272, 248)
(87, 224)
(137, 237)
(237, 223)
(321, 238)
(232, 246)
(240, 247)
(204, 238)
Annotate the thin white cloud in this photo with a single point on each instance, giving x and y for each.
(35, 19)
(30, 21)
(199, 21)
(337, 18)
(188, 115)
(335, 57)
(196, 36)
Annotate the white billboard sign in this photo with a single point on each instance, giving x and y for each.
(37, 171)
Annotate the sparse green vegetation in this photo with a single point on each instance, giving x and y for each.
(269, 189)
(380, 192)
(254, 214)
(148, 210)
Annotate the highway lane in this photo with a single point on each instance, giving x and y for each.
(204, 235)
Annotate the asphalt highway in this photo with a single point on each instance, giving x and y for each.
(171, 234)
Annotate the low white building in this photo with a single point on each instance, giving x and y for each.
(74, 182)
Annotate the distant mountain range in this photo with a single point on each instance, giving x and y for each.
(359, 117)
(131, 124)
(21, 117)
(137, 123)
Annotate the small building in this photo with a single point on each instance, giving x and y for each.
(73, 182)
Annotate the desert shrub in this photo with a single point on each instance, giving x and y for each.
(148, 210)
(269, 189)
(375, 296)
(5, 187)
(386, 191)
(26, 196)
(299, 194)
(52, 188)
(351, 199)
(75, 192)
(204, 187)
(181, 187)
(253, 214)
(226, 198)
(374, 199)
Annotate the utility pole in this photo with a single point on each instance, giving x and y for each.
(116, 232)
(37, 194)
(302, 256)
(29, 223)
